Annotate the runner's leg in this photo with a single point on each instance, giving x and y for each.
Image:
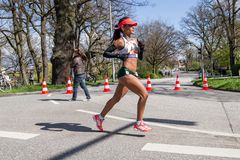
(133, 84)
(120, 91)
(137, 87)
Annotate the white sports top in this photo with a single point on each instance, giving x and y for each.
(130, 47)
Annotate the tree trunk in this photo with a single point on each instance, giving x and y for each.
(44, 48)
(32, 52)
(17, 27)
(153, 68)
(211, 61)
(43, 41)
(232, 61)
(64, 41)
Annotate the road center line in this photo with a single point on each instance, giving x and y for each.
(168, 126)
(193, 150)
(17, 135)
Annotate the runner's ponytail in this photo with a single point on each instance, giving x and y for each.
(118, 30)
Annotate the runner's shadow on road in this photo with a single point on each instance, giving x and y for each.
(77, 127)
(82, 147)
(54, 99)
(170, 121)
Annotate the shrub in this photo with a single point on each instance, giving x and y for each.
(152, 75)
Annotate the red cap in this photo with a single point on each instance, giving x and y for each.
(127, 21)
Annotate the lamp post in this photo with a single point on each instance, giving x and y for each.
(202, 64)
(110, 19)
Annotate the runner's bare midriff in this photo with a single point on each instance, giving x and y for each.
(131, 64)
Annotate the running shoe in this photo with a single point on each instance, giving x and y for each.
(142, 127)
(98, 121)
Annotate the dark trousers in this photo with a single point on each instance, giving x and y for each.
(79, 79)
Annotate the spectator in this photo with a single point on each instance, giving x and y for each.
(79, 67)
(31, 77)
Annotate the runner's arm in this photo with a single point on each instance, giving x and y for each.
(109, 53)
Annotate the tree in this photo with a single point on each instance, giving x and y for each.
(63, 39)
(188, 53)
(1, 44)
(160, 43)
(15, 36)
(72, 18)
(26, 17)
(203, 24)
(29, 14)
(228, 11)
(42, 9)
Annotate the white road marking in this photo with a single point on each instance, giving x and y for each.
(193, 150)
(17, 135)
(54, 102)
(169, 126)
(49, 95)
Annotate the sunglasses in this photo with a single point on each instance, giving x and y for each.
(129, 25)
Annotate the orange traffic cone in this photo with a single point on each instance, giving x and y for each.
(106, 86)
(177, 86)
(205, 83)
(69, 86)
(149, 85)
(44, 87)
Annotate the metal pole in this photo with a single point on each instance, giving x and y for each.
(110, 18)
(202, 62)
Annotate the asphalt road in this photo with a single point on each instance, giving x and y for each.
(190, 124)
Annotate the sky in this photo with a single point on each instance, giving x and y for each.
(168, 11)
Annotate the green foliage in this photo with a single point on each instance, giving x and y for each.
(230, 84)
(49, 72)
(152, 75)
(195, 66)
(143, 69)
(237, 55)
(32, 88)
(229, 72)
(221, 58)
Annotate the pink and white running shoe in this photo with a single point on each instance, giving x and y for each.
(142, 127)
(98, 121)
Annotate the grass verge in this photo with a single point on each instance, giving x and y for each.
(38, 87)
(228, 84)
(31, 88)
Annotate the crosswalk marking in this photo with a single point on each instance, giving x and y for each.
(17, 135)
(193, 150)
(169, 126)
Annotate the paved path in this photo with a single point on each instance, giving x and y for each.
(187, 124)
